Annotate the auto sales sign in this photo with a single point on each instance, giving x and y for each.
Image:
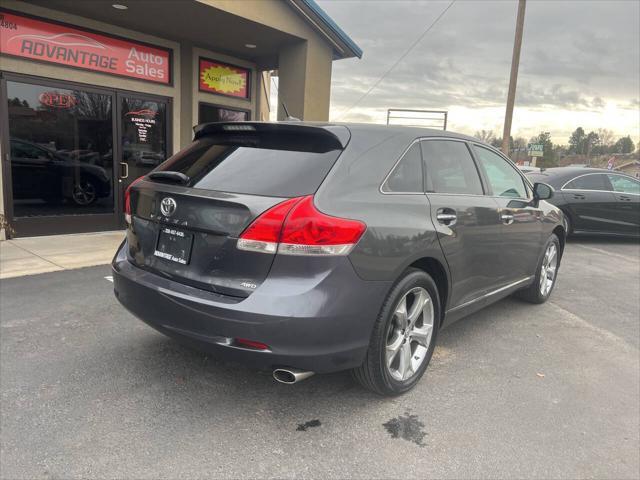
(38, 39)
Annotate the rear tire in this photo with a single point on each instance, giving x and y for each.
(402, 344)
(546, 274)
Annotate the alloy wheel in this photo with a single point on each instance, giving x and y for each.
(548, 269)
(410, 334)
(84, 193)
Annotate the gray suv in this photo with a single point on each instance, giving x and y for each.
(311, 248)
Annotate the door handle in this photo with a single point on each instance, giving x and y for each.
(625, 198)
(578, 196)
(507, 218)
(447, 216)
(126, 170)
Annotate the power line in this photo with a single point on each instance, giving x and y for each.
(395, 64)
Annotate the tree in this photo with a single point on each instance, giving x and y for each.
(607, 139)
(514, 145)
(578, 141)
(548, 158)
(486, 136)
(592, 140)
(519, 144)
(624, 145)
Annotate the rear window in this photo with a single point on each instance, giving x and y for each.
(268, 164)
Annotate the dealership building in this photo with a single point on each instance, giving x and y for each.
(96, 93)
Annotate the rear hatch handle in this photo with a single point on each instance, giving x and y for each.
(169, 176)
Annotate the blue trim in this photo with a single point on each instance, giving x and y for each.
(333, 26)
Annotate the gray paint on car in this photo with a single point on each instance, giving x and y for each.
(317, 313)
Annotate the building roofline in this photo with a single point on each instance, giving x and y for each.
(328, 27)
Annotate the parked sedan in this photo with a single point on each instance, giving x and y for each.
(305, 248)
(594, 200)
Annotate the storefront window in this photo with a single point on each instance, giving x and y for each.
(61, 150)
(213, 113)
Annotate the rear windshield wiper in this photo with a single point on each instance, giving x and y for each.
(169, 176)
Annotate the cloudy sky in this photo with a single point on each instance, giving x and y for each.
(579, 66)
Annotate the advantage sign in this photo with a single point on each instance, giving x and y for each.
(38, 39)
(535, 150)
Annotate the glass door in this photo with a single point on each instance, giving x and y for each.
(60, 145)
(143, 136)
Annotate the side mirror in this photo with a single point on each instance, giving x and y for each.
(542, 191)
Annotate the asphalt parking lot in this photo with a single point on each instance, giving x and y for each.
(515, 391)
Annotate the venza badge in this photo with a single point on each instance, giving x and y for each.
(168, 206)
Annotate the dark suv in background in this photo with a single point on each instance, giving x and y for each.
(307, 248)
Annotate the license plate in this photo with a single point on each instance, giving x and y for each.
(174, 245)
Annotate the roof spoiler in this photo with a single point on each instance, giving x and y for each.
(331, 133)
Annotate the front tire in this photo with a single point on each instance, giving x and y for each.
(566, 223)
(403, 336)
(546, 274)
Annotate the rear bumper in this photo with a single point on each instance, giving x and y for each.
(320, 322)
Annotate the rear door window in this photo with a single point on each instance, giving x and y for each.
(260, 164)
(407, 176)
(450, 168)
(596, 181)
(624, 184)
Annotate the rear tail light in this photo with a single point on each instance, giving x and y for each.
(296, 227)
(127, 200)
(264, 232)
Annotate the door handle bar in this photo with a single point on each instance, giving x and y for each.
(126, 169)
(507, 218)
(447, 219)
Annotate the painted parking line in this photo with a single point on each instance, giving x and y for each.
(109, 277)
(605, 252)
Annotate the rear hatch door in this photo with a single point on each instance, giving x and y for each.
(188, 213)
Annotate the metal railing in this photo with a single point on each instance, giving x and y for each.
(417, 118)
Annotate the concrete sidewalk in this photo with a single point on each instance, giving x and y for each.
(32, 255)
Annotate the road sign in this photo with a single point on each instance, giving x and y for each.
(535, 150)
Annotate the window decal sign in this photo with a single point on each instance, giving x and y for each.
(223, 79)
(38, 39)
(143, 120)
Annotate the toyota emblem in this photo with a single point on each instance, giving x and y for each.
(168, 206)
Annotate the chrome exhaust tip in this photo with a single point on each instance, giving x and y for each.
(290, 375)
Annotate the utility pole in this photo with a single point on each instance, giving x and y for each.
(515, 61)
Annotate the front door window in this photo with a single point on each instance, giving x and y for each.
(61, 148)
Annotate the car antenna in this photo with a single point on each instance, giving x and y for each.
(289, 118)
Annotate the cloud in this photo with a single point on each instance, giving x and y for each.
(578, 57)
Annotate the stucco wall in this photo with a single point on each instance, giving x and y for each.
(304, 69)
